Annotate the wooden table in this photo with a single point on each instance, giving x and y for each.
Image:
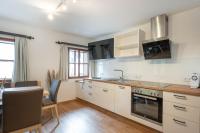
(45, 92)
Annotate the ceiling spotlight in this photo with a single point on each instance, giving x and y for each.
(74, 1)
(64, 7)
(50, 17)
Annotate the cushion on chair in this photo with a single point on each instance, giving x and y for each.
(47, 102)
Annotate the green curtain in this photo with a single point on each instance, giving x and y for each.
(21, 67)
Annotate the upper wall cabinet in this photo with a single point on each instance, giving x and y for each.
(128, 44)
(103, 49)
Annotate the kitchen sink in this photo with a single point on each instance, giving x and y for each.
(118, 80)
(122, 81)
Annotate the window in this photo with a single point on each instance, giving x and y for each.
(6, 58)
(78, 63)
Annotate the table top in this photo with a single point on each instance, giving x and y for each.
(45, 92)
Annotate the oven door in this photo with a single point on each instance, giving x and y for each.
(147, 107)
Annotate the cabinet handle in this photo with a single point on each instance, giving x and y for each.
(90, 86)
(183, 123)
(147, 97)
(90, 94)
(180, 97)
(104, 90)
(122, 87)
(180, 108)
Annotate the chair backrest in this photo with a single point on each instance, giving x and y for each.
(21, 109)
(55, 85)
(26, 83)
(7, 85)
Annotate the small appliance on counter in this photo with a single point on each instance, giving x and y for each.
(195, 80)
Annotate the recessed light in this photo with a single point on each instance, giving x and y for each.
(50, 17)
(74, 1)
(64, 7)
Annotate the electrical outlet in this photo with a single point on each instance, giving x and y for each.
(187, 80)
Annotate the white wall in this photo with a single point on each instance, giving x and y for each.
(184, 32)
(44, 53)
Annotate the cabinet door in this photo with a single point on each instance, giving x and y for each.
(80, 91)
(174, 124)
(104, 98)
(87, 90)
(123, 101)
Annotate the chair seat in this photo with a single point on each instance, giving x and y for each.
(47, 102)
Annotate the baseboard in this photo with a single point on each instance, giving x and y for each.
(60, 102)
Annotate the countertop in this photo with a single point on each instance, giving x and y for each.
(182, 89)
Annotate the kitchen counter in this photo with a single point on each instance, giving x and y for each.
(182, 89)
(135, 83)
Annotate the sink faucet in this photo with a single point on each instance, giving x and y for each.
(122, 72)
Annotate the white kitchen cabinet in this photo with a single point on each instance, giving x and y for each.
(100, 94)
(87, 90)
(180, 110)
(104, 97)
(128, 44)
(181, 113)
(173, 124)
(182, 99)
(80, 90)
(113, 97)
(123, 100)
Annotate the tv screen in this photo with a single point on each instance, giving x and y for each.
(157, 49)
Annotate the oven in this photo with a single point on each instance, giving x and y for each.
(147, 104)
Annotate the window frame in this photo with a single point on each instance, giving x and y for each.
(77, 77)
(3, 60)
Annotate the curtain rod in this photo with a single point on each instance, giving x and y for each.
(17, 35)
(71, 44)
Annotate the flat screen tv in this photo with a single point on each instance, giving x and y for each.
(157, 49)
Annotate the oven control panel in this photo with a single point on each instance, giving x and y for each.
(148, 92)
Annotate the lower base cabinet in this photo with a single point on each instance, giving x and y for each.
(80, 90)
(123, 101)
(112, 97)
(174, 124)
(104, 97)
(181, 113)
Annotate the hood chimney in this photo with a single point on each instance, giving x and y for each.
(159, 27)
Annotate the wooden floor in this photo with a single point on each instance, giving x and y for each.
(81, 117)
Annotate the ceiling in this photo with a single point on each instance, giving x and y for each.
(90, 18)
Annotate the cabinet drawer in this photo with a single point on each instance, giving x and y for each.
(179, 125)
(182, 99)
(183, 111)
(88, 81)
(88, 85)
(104, 85)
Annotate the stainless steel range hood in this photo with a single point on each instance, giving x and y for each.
(159, 46)
(159, 28)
